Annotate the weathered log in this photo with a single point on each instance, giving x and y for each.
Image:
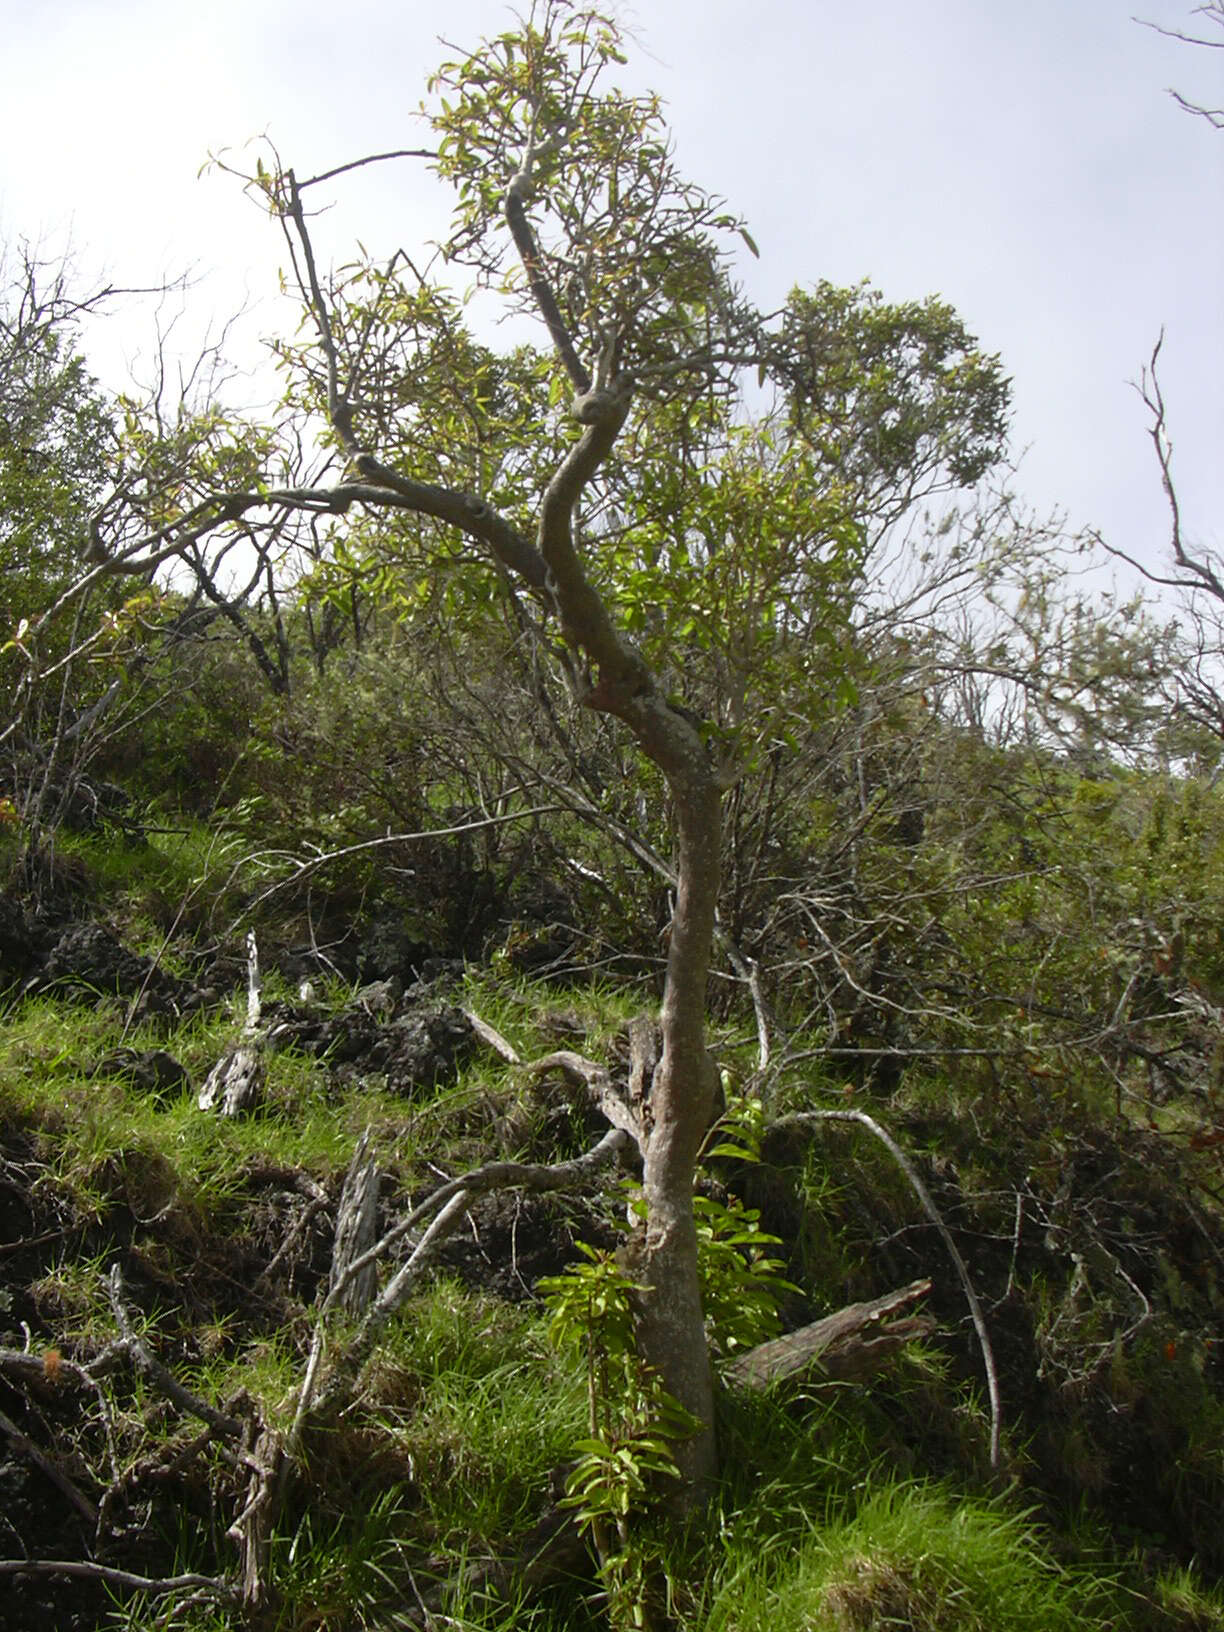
(235, 1083)
(850, 1344)
(356, 1232)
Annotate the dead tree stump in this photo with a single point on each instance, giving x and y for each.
(356, 1231)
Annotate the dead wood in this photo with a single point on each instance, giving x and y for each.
(356, 1230)
(152, 1369)
(203, 1586)
(850, 1344)
(580, 1072)
(493, 1038)
(235, 1083)
(263, 1452)
(444, 1209)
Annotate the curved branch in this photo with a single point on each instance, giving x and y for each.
(463, 510)
(807, 1118)
(541, 289)
(584, 617)
(370, 158)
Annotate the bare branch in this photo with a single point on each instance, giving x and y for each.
(306, 869)
(155, 1586)
(1213, 11)
(157, 1374)
(372, 158)
(445, 1208)
(61, 1480)
(808, 1118)
(1201, 570)
(597, 1080)
(493, 1176)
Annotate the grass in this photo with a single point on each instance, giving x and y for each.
(906, 1554)
(101, 1139)
(481, 1407)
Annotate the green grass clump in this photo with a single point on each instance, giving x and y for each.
(481, 1406)
(1179, 1602)
(910, 1555)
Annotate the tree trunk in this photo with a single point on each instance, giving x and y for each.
(672, 1326)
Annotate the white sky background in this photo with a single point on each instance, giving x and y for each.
(1022, 161)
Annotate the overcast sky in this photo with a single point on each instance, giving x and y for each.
(1022, 161)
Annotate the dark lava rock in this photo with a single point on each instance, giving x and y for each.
(511, 1240)
(89, 960)
(386, 948)
(152, 1071)
(39, 1523)
(425, 1047)
(23, 943)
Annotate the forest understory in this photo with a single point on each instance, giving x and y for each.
(148, 1243)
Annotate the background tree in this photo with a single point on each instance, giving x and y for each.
(56, 442)
(55, 434)
(1195, 638)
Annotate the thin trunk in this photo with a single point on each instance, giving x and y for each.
(672, 1326)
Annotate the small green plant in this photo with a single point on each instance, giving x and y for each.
(741, 1283)
(634, 1423)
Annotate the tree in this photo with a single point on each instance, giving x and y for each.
(674, 559)
(55, 432)
(56, 439)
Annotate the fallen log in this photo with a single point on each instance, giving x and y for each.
(849, 1345)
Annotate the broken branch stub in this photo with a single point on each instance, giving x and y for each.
(356, 1231)
(850, 1344)
(235, 1083)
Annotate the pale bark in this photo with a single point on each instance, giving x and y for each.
(849, 1345)
(672, 1333)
